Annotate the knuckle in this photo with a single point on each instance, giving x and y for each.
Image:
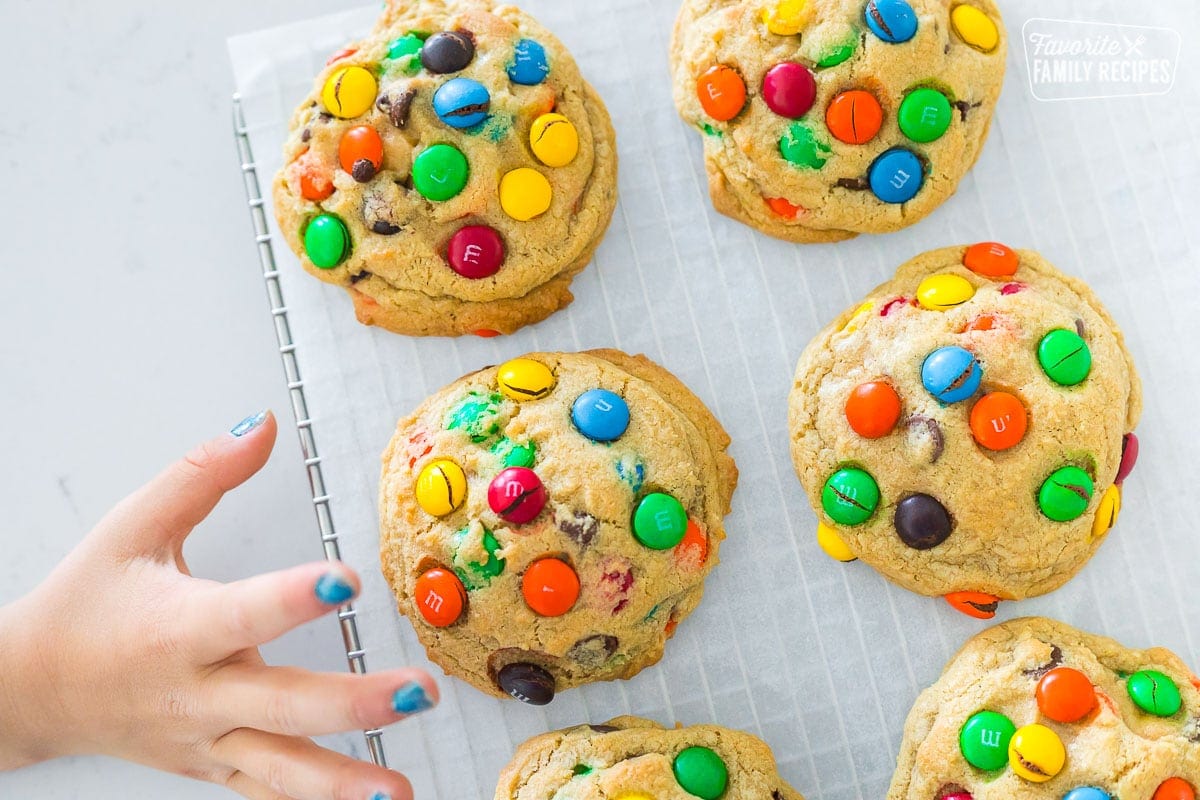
(364, 709)
(275, 774)
(280, 712)
(177, 704)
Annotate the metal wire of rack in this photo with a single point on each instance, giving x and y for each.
(347, 616)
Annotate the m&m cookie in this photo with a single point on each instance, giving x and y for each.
(966, 429)
(550, 521)
(636, 759)
(1036, 709)
(823, 119)
(452, 171)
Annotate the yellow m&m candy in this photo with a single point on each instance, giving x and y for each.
(940, 292)
(524, 379)
(349, 92)
(1106, 512)
(441, 487)
(554, 140)
(524, 193)
(975, 28)
(784, 17)
(858, 317)
(1036, 753)
(832, 544)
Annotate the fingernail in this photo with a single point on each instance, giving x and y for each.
(411, 699)
(249, 423)
(333, 589)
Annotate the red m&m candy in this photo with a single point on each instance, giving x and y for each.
(1129, 455)
(789, 89)
(475, 251)
(1065, 695)
(517, 495)
(872, 409)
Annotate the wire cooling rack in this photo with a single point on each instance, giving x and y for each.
(347, 616)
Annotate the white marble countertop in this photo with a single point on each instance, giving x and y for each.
(133, 319)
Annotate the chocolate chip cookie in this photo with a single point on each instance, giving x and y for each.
(635, 759)
(967, 428)
(823, 119)
(1035, 709)
(548, 522)
(452, 171)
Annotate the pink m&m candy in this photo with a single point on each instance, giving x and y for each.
(475, 251)
(1129, 454)
(789, 89)
(517, 495)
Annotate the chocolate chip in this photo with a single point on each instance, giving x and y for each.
(528, 683)
(922, 522)
(1080, 328)
(358, 276)
(963, 107)
(385, 228)
(604, 728)
(448, 51)
(1056, 658)
(933, 430)
(396, 106)
(581, 528)
(362, 170)
(325, 116)
(776, 795)
(592, 651)
(306, 134)
(855, 184)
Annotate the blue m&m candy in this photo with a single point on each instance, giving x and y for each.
(896, 176)
(600, 415)
(893, 21)
(529, 66)
(951, 374)
(1086, 793)
(461, 102)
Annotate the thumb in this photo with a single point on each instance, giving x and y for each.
(156, 518)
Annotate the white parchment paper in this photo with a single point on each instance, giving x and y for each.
(820, 659)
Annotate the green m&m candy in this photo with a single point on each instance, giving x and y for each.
(801, 147)
(1154, 692)
(477, 415)
(924, 115)
(515, 454)
(659, 521)
(474, 574)
(1065, 495)
(983, 739)
(326, 241)
(440, 172)
(701, 772)
(837, 54)
(406, 52)
(1065, 357)
(850, 496)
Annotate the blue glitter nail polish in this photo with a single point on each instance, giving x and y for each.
(381, 796)
(333, 590)
(249, 423)
(411, 699)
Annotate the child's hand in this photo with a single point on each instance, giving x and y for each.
(120, 651)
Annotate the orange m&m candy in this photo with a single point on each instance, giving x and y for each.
(550, 587)
(979, 605)
(998, 421)
(721, 91)
(984, 322)
(440, 597)
(692, 550)
(1174, 789)
(992, 259)
(1065, 695)
(783, 208)
(314, 184)
(360, 152)
(872, 409)
(854, 117)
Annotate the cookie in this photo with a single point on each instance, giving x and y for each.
(635, 759)
(823, 119)
(1035, 709)
(548, 522)
(966, 429)
(452, 171)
